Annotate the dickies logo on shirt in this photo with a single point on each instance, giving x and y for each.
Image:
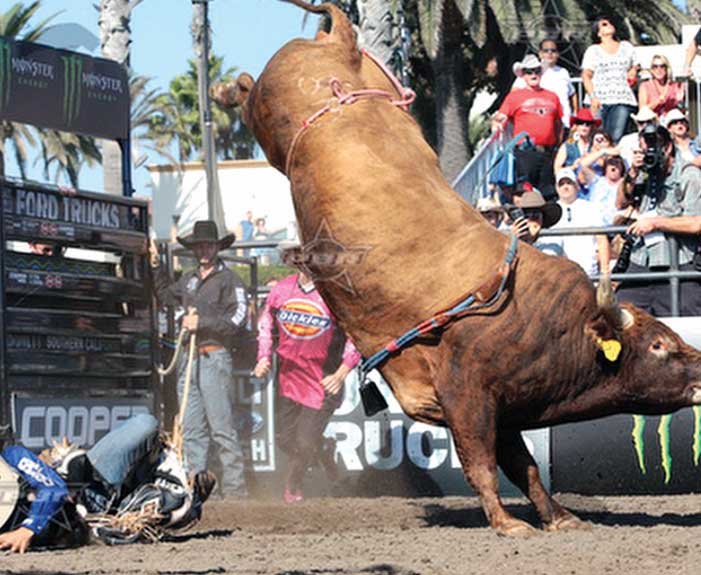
(303, 319)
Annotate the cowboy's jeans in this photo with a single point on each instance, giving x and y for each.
(209, 413)
(119, 452)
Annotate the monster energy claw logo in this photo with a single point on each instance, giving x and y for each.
(638, 434)
(72, 74)
(5, 72)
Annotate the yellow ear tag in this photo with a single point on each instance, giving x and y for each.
(610, 347)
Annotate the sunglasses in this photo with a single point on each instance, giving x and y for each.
(583, 123)
(685, 122)
(550, 50)
(658, 66)
(533, 214)
(532, 71)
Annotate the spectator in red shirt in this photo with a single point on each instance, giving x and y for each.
(537, 112)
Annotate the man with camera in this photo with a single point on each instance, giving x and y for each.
(659, 187)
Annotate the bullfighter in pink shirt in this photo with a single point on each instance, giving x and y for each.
(315, 357)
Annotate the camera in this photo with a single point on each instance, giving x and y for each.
(623, 261)
(654, 147)
(629, 241)
(515, 213)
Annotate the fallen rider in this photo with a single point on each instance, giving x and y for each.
(130, 486)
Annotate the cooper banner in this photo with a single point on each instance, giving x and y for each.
(38, 421)
(63, 90)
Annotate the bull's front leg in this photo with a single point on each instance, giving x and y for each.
(473, 424)
(519, 466)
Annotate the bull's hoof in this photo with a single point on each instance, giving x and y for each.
(516, 528)
(567, 522)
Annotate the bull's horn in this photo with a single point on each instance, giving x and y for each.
(604, 293)
(606, 300)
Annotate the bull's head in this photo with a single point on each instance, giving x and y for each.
(234, 93)
(658, 371)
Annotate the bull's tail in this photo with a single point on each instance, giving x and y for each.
(341, 28)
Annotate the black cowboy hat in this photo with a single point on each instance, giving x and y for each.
(206, 231)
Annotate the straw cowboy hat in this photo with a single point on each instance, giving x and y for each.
(674, 115)
(206, 231)
(645, 114)
(529, 62)
(488, 205)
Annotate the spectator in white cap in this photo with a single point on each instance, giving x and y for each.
(538, 113)
(590, 252)
(678, 125)
(631, 142)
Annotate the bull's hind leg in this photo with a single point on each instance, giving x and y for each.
(473, 424)
(519, 466)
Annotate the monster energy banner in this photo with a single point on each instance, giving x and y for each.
(63, 90)
(632, 454)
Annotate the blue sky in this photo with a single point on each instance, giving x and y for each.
(246, 32)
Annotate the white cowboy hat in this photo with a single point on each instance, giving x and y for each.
(674, 115)
(529, 62)
(644, 114)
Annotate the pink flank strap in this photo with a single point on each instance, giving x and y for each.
(407, 96)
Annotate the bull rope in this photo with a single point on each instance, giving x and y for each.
(179, 422)
(342, 98)
(441, 318)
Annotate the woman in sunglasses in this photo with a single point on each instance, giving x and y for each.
(609, 67)
(659, 92)
(579, 142)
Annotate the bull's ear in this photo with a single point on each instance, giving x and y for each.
(603, 334)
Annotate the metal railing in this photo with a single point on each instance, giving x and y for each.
(673, 274)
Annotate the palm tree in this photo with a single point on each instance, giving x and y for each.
(15, 23)
(115, 38)
(66, 153)
(178, 118)
(145, 104)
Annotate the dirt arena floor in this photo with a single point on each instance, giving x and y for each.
(392, 536)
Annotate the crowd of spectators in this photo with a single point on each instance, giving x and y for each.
(622, 156)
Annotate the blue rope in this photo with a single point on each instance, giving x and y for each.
(405, 339)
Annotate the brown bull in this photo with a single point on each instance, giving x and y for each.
(363, 173)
